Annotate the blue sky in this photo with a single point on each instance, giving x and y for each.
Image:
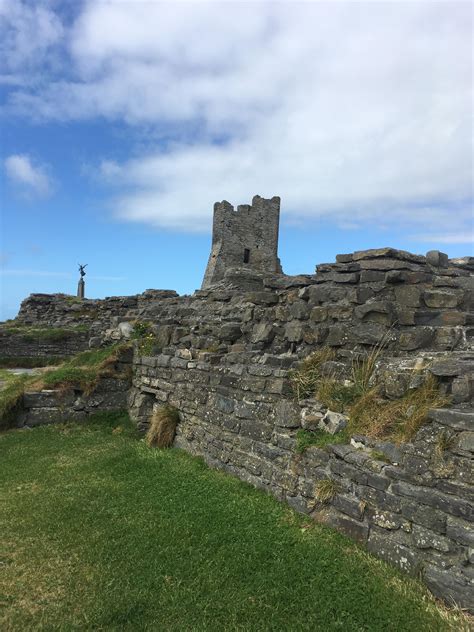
(122, 122)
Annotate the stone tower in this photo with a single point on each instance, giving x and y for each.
(246, 237)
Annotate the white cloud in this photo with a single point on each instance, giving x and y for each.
(361, 112)
(30, 177)
(28, 32)
(447, 238)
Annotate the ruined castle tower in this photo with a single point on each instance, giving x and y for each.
(246, 237)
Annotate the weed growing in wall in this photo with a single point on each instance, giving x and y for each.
(144, 334)
(326, 490)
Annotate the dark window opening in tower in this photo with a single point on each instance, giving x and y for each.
(246, 255)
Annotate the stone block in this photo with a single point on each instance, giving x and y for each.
(310, 418)
(465, 442)
(450, 586)
(258, 430)
(349, 505)
(299, 310)
(382, 545)
(294, 331)
(408, 296)
(442, 298)
(333, 422)
(319, 314)
(299, 504)
(426, 539)
(225, 404)
(415, 339)
(263, 332)
(261, 298)
(354, 529)
(372, 276)
(437, 259)
(460, 531)
(287, 414)
(426, 516)
(385, 519)
(439, 500)
(457, 419)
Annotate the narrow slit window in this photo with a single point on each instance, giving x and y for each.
(246, 255)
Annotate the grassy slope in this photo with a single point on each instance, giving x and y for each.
(101, 532)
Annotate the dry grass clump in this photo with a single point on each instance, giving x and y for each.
(162, 428)
(399, 419)
(444, 442)
(305, 379)
(359, 398)
(326, 490)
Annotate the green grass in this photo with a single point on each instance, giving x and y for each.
(51, 334)
(100, 532)
(84, 368)
(11, 393)
(29, 362)
(319, 438)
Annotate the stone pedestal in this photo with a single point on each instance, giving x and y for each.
(81, 288)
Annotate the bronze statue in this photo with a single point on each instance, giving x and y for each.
(81, 270)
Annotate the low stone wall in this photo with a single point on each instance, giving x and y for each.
(71, 402)
(413, 508)
(26, 345)
(50, 406)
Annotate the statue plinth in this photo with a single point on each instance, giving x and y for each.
(81, 288)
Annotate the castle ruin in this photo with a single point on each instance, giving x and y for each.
(226, 358)
(246, 237)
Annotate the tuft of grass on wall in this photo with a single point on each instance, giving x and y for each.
(325, 490)
(306, 378)
(162, 430)
(318, 438)
(359, 398)
(399, 419)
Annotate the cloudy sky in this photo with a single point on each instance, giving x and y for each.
(123, 121)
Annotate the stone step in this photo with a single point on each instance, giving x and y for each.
(454, 418)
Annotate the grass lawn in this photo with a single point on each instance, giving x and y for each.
(100, 532)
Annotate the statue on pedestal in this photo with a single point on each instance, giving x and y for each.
(81, 285)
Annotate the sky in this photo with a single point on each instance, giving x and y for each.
(123, 121)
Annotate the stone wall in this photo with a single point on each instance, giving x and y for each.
(413, 508)
(222, 357)
(17, 344)
(73, 403)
